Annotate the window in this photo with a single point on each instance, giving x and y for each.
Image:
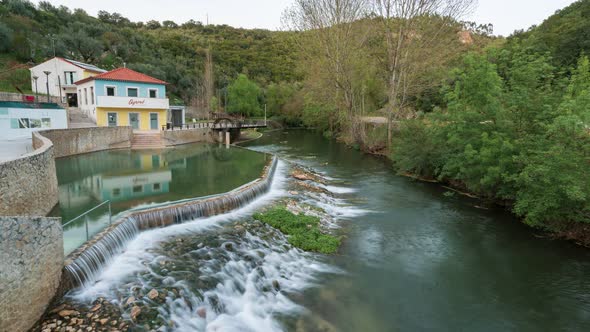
(35, 123)
(110, 91)
(116, 192)
(85, 96)
(137, 189)
(23, 123)
(156, 187)
(45, 123)
(70, 77)
(153, 93)
(92, 95)
(131, 92)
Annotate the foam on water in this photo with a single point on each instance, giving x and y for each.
(137, 250)
(242, 282)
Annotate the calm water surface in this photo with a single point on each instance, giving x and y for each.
(132, 178)
(424, 261)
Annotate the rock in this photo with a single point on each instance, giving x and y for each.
(229, 246)
(96, 307)
(276, 285)
(293, 192)
(240, 228)
(130, 300)
(66, 313)
(202, 312)
(59, 308)
(135, 311)
(103, 321)
(152, 294)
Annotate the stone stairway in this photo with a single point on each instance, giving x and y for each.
(78, 119)
(147, 140)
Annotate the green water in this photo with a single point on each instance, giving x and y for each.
(131, 178)
(425, 260)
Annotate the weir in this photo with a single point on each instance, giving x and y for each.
(83, 264)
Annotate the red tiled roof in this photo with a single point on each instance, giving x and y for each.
(125, 75)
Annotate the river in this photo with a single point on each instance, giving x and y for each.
(414, 258)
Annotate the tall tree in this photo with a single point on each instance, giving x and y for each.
(332, 47)
(243, 97)
(412, 29)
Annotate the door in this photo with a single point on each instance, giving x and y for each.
(154, 121)
(177, 117)
(134, 120)
(72, 99)
(112, 119)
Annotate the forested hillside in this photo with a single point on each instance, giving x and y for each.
(167, 50)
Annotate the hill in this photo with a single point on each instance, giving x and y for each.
(167, 50)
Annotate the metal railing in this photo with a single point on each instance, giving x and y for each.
(85, 216)
(212, 125)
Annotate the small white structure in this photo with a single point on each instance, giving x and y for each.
(61, 74)
(176, 115)
(19, 119)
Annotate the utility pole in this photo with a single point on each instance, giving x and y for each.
(265, 115)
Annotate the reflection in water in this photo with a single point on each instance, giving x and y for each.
(130, 178)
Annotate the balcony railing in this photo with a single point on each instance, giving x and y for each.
(132, 102)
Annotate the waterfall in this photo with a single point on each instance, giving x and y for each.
(87, 263)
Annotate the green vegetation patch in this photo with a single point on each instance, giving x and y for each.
(302, 231)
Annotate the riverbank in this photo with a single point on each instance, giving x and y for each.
(578, 233)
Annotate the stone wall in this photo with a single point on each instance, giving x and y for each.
(185, 136)
(28, 185)
(31, 262)
(74, 141)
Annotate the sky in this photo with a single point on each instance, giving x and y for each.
(505, 15)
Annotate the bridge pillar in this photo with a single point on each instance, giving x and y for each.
(227, 137)
(220, 136)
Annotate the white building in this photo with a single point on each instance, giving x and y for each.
(62, 75)
(18, 119)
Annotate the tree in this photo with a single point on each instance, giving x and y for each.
(5, 37)
(412, 28)
(243, 97)
(332, 46)
(278, 95)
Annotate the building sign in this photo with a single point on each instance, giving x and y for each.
(133, 102)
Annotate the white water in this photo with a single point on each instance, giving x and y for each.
(137, 250)
(243, 297)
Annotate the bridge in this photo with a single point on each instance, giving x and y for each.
(222, 124)
(228, 129)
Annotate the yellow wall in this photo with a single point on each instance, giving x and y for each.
(87, 73)
(123, 117)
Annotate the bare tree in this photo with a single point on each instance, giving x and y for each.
(331, 45)
(414, 31)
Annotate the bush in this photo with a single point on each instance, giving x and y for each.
(302, 231)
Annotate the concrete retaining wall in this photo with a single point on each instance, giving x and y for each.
(185, 136)
(28, 185)
(31, 262)
(74, 141)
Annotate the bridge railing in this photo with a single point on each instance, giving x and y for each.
(213, 125)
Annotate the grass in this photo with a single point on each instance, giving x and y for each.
(302, 231)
